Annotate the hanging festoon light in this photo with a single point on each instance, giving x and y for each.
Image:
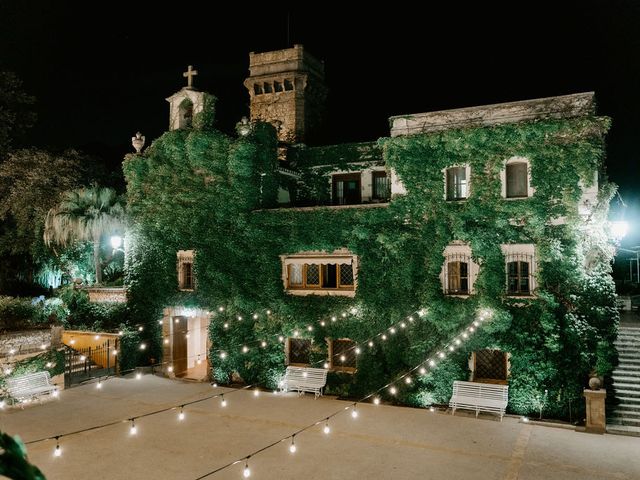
(58, 451)
(99, 384)
(138, 376)
(246, 472)
(376, 400)
(181, 414)
(223, 402)
(292, 447)
(133, 430)
(354, 411)
(256, 393)
(393, 390)
(326, 429)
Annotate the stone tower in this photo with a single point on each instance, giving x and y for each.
(287, 89)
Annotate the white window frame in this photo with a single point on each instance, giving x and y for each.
(457, 251)
(341, 256)
(518, 252)
(503, 178)
(467, 168)
(184, 257)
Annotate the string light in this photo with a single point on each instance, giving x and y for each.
(239, 318)
(143, 346)
(140, 328)
(181, 414)
(326, 429)
(223, 355)
(344, 315)
(82, 358)
(342, 358)
(226, 325)
(403, 325)
(354, 412)
(133, 430)
(432, 363)
(432, 409)
(393, 390)
(49, 365)
(99, 384)
(296, 333)
(457, 341)
(245, 349)
(358, 350)
(246, 473)
(223, 402)
(256, 393)
(268, 312)
(326, 365)
(392, 330)
(310, 328)
(280, 338)
(370, 344)
(221, 309)
(166, 341)
(292, 447)
(138, 376)
(255, 316)
(376, 401)
(384, 337)
(263, 343)
(441, 355)
(170, 368)
(58, 451)
(333, 319)
(422, 370)
(322, 323)
(407, 380)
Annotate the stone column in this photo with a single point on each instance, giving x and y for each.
(596, 417)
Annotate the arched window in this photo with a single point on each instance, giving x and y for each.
(186, 113)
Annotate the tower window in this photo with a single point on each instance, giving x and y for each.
(268, 88)
(257, 89)
(277, 86)
(186, 113)
(288, 85)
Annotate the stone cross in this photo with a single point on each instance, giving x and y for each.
(190, 74)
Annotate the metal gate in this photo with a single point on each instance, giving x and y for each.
(90, 362)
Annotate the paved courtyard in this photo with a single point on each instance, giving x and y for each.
(384, 442)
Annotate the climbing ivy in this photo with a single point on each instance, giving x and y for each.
(200, 189)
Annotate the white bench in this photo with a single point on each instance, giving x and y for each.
(304, 379)
(31, 385)
(481, 397)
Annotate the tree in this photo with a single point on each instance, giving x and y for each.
(31, 183)
(16, 114)
(85, 214)
(14, 463)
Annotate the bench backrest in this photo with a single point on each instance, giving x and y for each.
(28, 381)
(481, 390)
(306, 375)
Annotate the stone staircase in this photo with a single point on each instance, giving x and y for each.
(625, 416)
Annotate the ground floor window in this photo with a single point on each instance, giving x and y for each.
(490, 366)
(342, 355)
(321, 274)
(298, 351)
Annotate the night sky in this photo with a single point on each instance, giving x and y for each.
(100, 75)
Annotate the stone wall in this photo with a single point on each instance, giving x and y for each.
(107, 295)
(24, 341)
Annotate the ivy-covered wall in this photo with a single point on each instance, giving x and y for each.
(200, 189)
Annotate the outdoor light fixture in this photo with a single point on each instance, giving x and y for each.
(58, 451)
(223, 402)
(246, 473)
(619, 229)
(292, 447)
(133, 430)
(116, 242)
(354, 412)
(376, 401)
(181, 414)
(326, 428)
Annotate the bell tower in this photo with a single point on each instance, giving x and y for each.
(287, 89)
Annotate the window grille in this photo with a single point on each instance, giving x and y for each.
(343, 354)
(381, 186)
(299, 351)
(457, 274)
(519, 274)
(187, 276)
(490, 364)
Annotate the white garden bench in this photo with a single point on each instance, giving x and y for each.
(481, 397)
(30, 385)
(304, 379)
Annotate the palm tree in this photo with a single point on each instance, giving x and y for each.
(84, 215)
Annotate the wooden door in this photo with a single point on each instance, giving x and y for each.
(180, 328)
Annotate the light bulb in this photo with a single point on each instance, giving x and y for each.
(326, 365)
(403, 325)
(376, 401)
(246, 473)
(268, 312)
(214, 385)
(432, 409)
(471, 329)
(422, 370)
(263, 344)
(221, 309)
(432, 363)
(181, 414)
(255, 316)
(72, 342)
(58, 451)
(160, 322)
(223, 355)
(296, 333)
(239, 318)
(344, 315)
(256, 393)
(393, 390)
(465, 335)
(333, 319)
(354, 310)
(115, 352)
(43, 346)
(82, 358)
(99, 385)
(525, 419)
(310, 328)
(392, 330)
(292, 447)
(354, 412)
(133, 430)
(120, 332)
(326, 429)
(342, 358)
(305, 374)
(451, 348)
(140, 328)
(138, 376)
(225, 326)
(458, 341)
(166, 341)
(441, 355)
(322, 323)
(281, 338)
(49, 364)
(199, 361)
(245, 349)
(407, 380)
(410, 319)
(223, 402)
(142, 346)
(370, 344)
(177, 320)
(13, 350)
(384, 337)
(358, 350)
(56, 393)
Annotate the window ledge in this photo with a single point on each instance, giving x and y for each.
(456, 200)
(326, 293)
(187, 289)
(458, 295)
(349, 370)
(325, 207)
(517, 198)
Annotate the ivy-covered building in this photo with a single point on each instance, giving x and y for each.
(248, 253)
